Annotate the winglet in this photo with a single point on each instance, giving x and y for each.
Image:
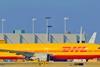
(93, 37)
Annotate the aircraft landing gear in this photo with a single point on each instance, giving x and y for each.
(28, 58)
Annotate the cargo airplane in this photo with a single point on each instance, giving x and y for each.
(55, 50)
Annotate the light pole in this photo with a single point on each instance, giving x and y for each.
(47, 27)
(81, 32)
(49, 33)
(33, 23)
(2, 25)
(65, 24)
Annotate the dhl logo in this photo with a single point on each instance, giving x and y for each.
(74, 49)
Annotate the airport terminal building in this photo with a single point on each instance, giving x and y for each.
(22, 37)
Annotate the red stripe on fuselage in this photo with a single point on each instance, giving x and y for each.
(75, 56)
(11, 57)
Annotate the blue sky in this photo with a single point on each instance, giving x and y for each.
(18, 15)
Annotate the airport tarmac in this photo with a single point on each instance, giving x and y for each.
(48, 64)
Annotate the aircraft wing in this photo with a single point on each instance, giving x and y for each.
(24, 53)
(14, 51)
